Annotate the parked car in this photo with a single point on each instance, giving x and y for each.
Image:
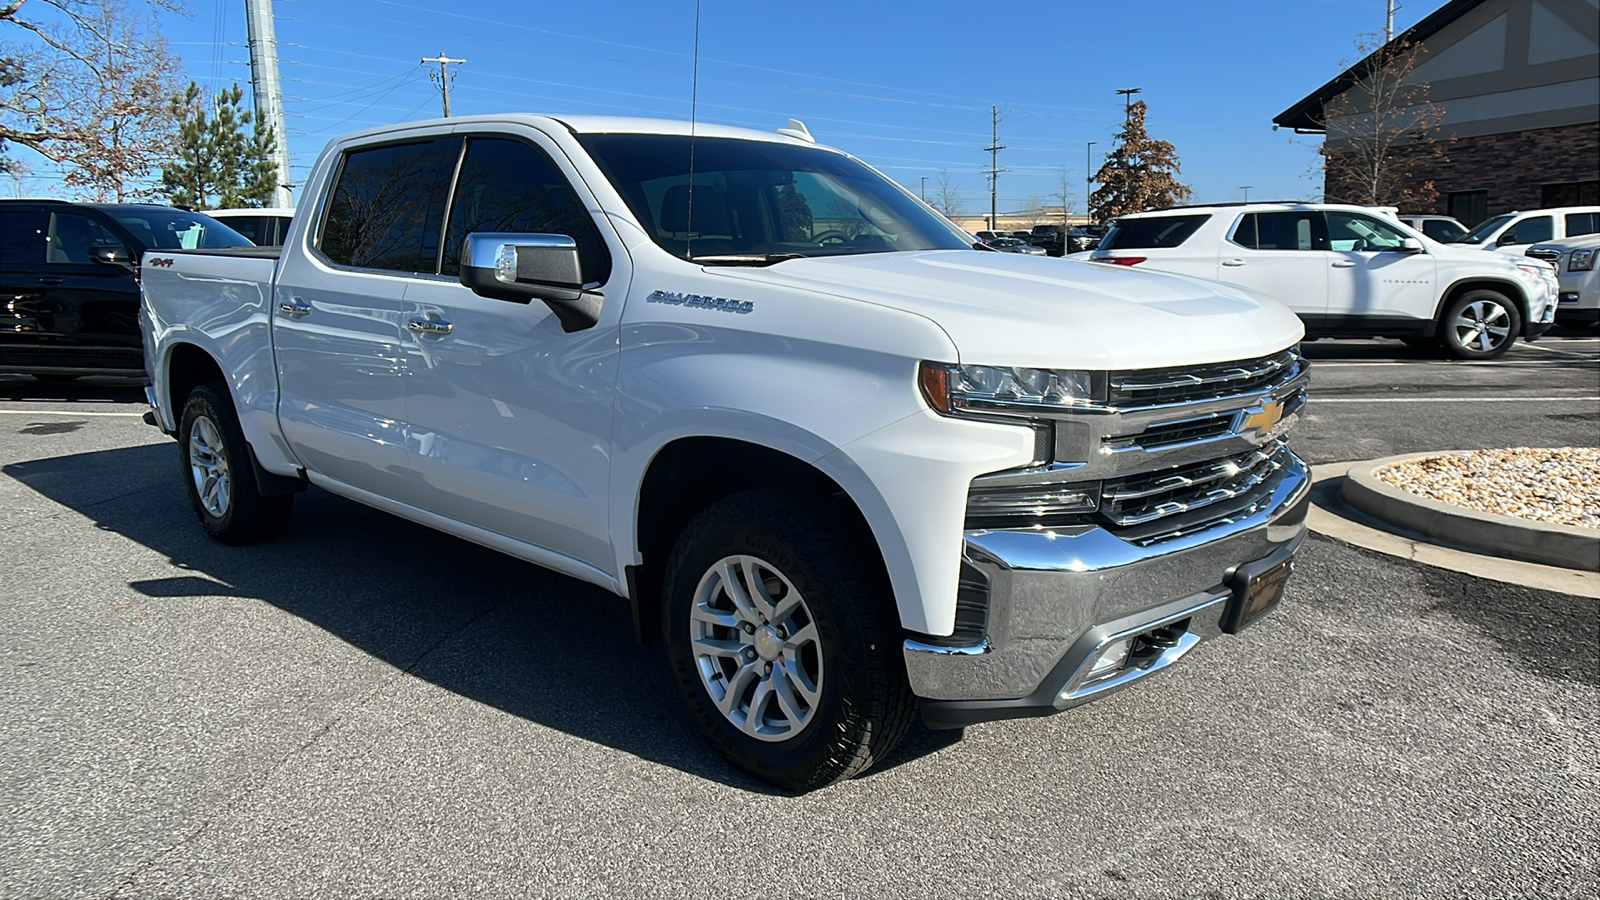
(1574, 259)
(1016, 245)
(265, 227)
(847, 481)
(1515, 232)
(1443, 229)
(1348, 272)
(69, 291)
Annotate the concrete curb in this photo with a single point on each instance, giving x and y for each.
(1503, 536)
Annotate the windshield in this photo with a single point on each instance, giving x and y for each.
(762, 200)
(175, 229)
(1481, 233)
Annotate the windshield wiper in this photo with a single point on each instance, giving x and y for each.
(745, 259)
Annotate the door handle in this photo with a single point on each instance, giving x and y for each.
(293, 306)
(1343, 264)
(1233, 262)
(429, 326)
(51, 279)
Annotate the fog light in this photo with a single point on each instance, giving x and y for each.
(1109, 660)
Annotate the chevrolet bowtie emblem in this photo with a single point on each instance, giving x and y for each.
(1262, 419)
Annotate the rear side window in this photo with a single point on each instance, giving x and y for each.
(1582, 223)
(1442, 231)
(1295, 230)
(72, 235)
(509, 186)
(256, 228)
(1146, 234)
(387, 208)
(22, 236)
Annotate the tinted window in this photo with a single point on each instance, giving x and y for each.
(161, 228)
(1143, 234)
(22, 236)
(763, 197)
(1531, 230)
(1350, 231)
(72, 235)
(387, 206)
(509, 186)
(1481, 233)
(256, 228)
(1582, 223)
(1581, 193)
(1442, 231)
(1295, 230)
(1471, 207)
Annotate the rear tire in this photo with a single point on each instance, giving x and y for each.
(1480, 325)
(783, 642)
(219, 473)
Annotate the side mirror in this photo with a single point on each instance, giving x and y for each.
(1410, 245)
(111, 255)
(522, 268)
(1506, 237)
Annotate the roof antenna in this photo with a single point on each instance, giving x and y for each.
(694, 100)
(797, 129)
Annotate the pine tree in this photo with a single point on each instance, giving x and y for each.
(219, 166)
(1139, 174)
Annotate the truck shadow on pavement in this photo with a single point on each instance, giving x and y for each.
(530, 642)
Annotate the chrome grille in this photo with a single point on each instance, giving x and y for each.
(1154, 495)
(1185, 384)
(1171, 434)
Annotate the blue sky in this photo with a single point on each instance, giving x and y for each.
(905, 86)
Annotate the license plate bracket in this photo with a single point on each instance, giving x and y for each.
(1257, 590)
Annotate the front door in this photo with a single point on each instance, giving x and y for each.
(1373, 278)
(510, 416)
(338, 328)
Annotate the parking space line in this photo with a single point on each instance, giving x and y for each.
(66, 412)
(1320, 400)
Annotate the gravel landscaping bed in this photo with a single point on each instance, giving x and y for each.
(1560, 485)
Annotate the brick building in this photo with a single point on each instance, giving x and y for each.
(1517, 87)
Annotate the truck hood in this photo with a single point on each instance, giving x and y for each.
(1014, 310)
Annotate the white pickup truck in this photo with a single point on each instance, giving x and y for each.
(849, 466)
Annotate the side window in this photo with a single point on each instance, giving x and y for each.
(250, 227)
(1531, 230)
(1349, 231)
(1442, 231)
(1582, 223)
(386, 208)
(70, 237)
(1296, 230)
(510, 186)
(22, 236)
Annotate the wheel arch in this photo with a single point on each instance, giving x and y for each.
(688, 474)
(187, 366)
(1506, 286)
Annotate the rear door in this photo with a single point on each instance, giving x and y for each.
(510, 416)
(1278, 254)
(337, 325)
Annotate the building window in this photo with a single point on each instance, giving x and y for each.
(1467, 207)
(1579, 193)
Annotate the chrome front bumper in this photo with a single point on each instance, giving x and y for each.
(1055, 597)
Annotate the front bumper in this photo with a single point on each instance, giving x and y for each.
(1057, 596)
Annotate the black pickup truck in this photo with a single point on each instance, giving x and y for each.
(69, 281)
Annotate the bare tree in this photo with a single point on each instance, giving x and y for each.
(85, 84)
(1063, 194)
(1383, 132)
(947, 195)
(1140, 173)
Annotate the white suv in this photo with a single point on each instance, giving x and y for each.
(1347, 272)
(1515, 232)
(1574, 259)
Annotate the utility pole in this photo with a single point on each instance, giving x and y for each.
(924, 189)
(994, 149)
(1388, 21)
(444, 77)
(1127, 98)
(1088, 176)
(268, 90)
(1246, 188)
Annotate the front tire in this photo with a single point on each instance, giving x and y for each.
(1480, 325)
(782, 641)
(219, 474)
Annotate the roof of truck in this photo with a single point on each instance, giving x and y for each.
(599, 125)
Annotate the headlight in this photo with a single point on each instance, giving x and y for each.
(1580, 261)
(1546, 272)
(951, 388)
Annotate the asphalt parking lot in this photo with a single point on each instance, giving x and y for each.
(367, 708)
